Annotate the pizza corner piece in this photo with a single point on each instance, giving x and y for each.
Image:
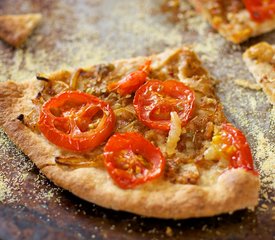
(146, 135)
(15, 29)
(260, 60)
(238, 20)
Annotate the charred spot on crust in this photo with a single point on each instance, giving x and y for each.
(38, 100)
(41, 78)
(21, 117)
(39, 95)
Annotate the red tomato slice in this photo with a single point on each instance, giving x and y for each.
(155, 100)
(235, 146)
(260, 10)
(132, 160)
(76, 121)
(131, 82)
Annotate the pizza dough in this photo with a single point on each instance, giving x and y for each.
(195, 183)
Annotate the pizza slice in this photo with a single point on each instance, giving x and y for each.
(260, 60)
(15, 29)
(238, 20)
(144, 135)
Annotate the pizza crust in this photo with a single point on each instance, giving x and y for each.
(240, 26)
(235, 189)
(262, 70)
(15, 29)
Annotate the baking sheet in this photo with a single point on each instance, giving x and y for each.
(81, 33)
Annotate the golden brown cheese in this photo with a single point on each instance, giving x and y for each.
(174, 134)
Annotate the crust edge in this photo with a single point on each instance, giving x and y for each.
(263, 72)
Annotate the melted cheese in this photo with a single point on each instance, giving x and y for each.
(174, 134)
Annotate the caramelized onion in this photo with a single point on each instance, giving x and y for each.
(74, 79)
(42, 77)
(127, 112)
(96, 161)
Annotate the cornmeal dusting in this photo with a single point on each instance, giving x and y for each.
(266, 152)
(16, 177)
(4, 190)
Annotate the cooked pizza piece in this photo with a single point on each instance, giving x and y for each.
(144, 135)
(260, 60)
(15, 29)
(238, 20)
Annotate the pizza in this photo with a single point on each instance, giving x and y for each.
(238, 20)
(145, 135)
(260, 60)
(15, 29)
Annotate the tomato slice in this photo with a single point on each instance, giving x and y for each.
(131, 82)
(132, 160)
(76, 121)
(260, 10)
(155, 100)
(235, 147)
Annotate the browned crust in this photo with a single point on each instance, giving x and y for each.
(235, 189)
(15, 29)
(240, 28)
(263, 72)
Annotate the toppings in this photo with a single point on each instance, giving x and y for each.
(81, 122)
(182, 173)
(230, 144)
(94, 80)
(155, 100)
(41, 77)
(190, 66)
(132, 160)
(103, 70)
(219, 9)
(76, 121)
(57, 76)
(126, 118)
(260, 10)
(174, 134)
(96, 161)
(188, 173)
(131, 82)
(97, 74)
(236, 147)
(74, 79)
(53, 84)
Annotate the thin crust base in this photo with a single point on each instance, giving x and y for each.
(235, 189)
